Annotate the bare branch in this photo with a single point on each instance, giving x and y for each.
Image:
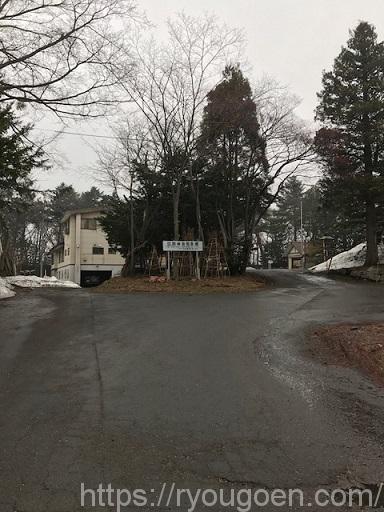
(60, 53)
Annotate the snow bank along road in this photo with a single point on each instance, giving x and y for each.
(353, 258)
(204, 391)
(7, 284)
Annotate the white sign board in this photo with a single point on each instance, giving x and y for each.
(183, 245)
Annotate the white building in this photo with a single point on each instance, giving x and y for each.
(85, 256)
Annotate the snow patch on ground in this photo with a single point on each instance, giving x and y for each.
(355, 257)
(39, 282)
(6, 291)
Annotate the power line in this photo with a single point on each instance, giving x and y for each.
(62, 132)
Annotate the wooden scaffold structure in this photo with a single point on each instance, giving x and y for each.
(154, 265)
(187, 267)
(215, 260)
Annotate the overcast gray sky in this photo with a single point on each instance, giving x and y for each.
(289, 40)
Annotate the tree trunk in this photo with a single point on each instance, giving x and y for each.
(200, 233)
(371, 227)
(196, 195)
(7, 265)
(372, 254)
(176, 226)
(132, 234)
(125, 270)
(176, 203)
(245, 255)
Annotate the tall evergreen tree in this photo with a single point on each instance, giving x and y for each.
(352, 103)
(290, 203)
(342, 191)
(234, 185)
(18, 157)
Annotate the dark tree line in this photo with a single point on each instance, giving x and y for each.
(319, 207)
(197, 156)
(30, 224)
(226, 185)
(67, 58)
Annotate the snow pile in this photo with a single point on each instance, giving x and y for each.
(39, 282)
(5, 289)
(355, 257)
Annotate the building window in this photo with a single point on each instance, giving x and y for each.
(111, 250)
(97, 250)
(66, 227)
(88, 224)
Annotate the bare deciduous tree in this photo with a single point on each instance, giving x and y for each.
(289, 143)
(124, 168)
(64, 54)
(170, 87)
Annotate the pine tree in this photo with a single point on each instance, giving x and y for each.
(234, 182)
(18, 157)
(352, 104)
(289, 211)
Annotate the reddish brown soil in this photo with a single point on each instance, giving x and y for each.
(359, 346)
(247, 283)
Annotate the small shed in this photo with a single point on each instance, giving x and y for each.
(295, 255)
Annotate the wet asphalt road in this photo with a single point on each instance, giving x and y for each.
(204, 391)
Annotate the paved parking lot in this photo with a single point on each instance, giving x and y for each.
(204, 391)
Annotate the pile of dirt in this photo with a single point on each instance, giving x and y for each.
(359, 346)
(247, 283)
